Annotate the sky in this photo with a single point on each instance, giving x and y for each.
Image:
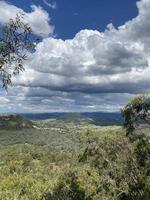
(92, 55)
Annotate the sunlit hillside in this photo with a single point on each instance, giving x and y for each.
(56, 160)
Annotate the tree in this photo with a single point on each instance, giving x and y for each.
(67, 188)
(15, 42)
(136, 112)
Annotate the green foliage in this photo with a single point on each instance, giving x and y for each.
(14, 43)
(68, 188)
(73, 162)
(121, 166)
(16, 122)
(136, 111)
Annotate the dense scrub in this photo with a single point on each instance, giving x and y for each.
(100, 164)
(14, 122)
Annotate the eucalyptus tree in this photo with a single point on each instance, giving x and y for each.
(16, 39)
(137, 111)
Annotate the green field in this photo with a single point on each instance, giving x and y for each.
(66, 161)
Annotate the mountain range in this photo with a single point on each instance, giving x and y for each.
(97, 118)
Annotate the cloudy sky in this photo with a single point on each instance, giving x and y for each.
(93, 55)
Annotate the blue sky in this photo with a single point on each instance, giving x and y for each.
(71, 16)
(92, 56)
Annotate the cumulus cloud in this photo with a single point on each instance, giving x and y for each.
(38, 18)
(93, 71)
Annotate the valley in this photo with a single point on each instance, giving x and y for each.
(72, 159)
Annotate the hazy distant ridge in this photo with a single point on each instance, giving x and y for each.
(97, 118)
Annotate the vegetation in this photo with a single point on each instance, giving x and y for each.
(12, 122)
(75, 118)
(136, 112)
(14, 43)
(69, 158)
(56, 160)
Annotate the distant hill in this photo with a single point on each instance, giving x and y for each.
(105, 119)
(97, 118)
(75, 118)
(14, 122)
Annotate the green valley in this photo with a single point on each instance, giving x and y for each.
(65, 160)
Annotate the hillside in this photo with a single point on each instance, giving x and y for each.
(14, 122)
(68, 160)
(75, 118)
(97, 118)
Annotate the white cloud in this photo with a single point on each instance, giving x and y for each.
(52, 5)
(93, 71)
(4, 100)
(38, 18)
